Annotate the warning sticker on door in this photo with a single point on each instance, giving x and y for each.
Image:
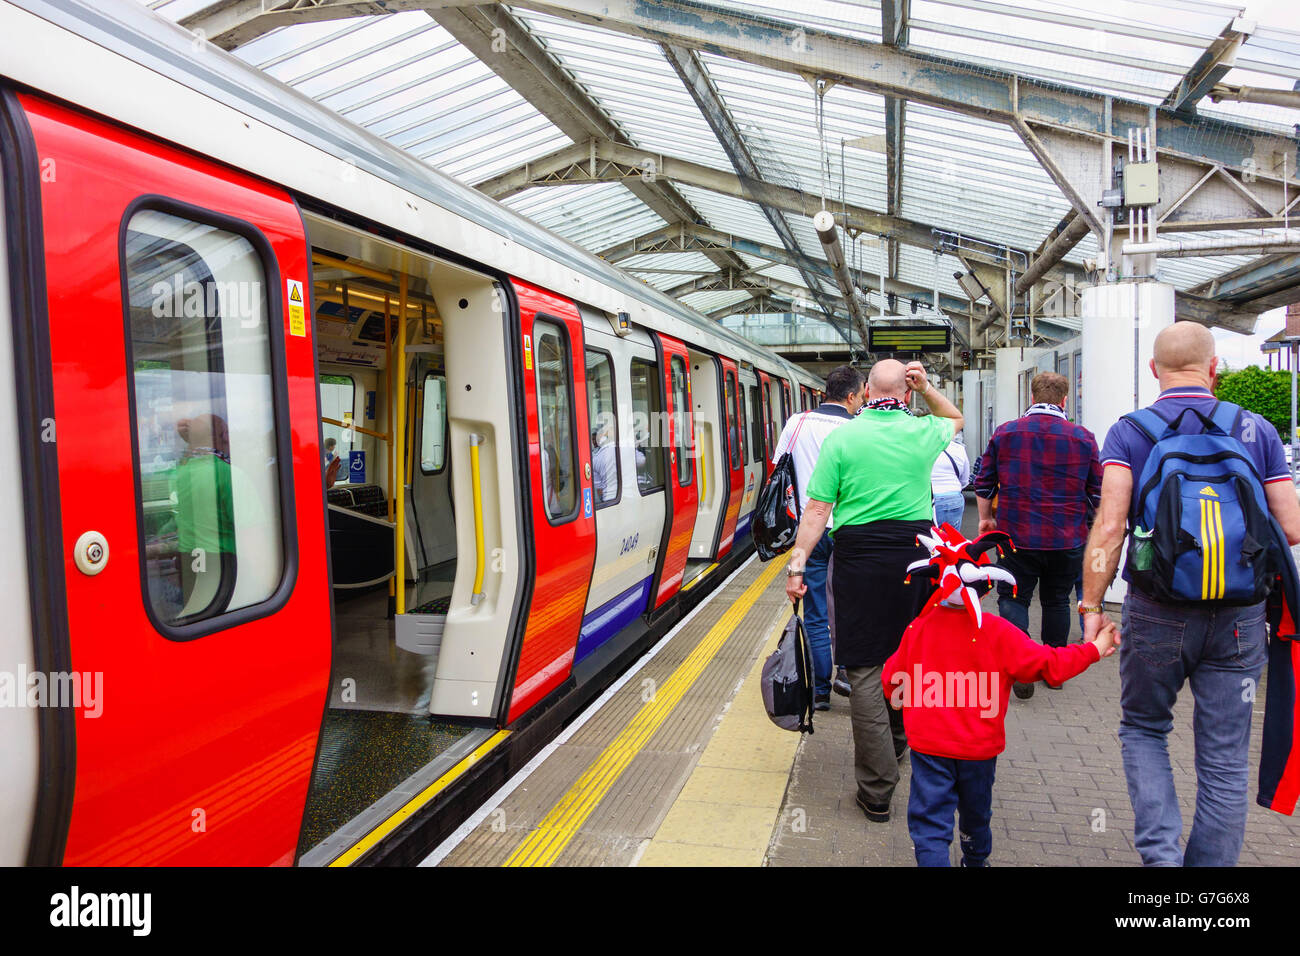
(297, 313)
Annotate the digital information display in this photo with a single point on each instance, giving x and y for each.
(909, 338)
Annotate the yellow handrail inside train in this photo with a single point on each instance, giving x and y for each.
(397, 394)
(474, 442)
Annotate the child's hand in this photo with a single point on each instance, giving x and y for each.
(1107, 639)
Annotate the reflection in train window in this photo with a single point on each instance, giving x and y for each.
(647, 425)
(682, 422)
(204, 418)
(602, 419)
(555, 421)
(433, 425)
(337, 400)
(733, 422)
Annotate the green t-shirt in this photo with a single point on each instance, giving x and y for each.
(878, 466)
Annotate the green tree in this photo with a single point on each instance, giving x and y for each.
(1260, 390)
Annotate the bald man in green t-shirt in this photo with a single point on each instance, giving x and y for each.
(875, 472)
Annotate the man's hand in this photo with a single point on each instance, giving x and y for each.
(1107, 639)
(917, 380)
(1094, 624)
(332, 471)
(794, 586)
(987, 525)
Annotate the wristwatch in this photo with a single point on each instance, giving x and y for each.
(791, 572)
(1091, 608)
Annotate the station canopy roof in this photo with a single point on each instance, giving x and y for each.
(480, 91)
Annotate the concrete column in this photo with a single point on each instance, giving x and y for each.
(1120, 323)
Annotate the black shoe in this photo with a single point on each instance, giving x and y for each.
(981, 863)
(1052, 686)
(841, 683)
(822, 702)
(876, 813)
(1023, 691)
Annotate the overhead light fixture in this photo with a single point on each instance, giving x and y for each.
(970, 285)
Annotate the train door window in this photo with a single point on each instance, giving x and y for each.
(555, 421)
(602, 416)
(682, 411)
(433, 425)
(733, 421)
(785, 402)
(338, 394)
(756, 440)
(647, 421)
(205, 423)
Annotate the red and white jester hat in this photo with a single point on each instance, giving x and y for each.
(956, 564)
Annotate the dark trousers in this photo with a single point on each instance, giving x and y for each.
(1055, 573)
(941, 785)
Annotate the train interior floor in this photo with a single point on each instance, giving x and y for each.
(680, 766)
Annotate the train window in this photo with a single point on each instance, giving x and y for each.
(647, 423)
(602, 418)
(433, 425)
(337, 401)
(769, 414)
(733, 421)
(756, 436)
(742, 424)
(205, 424)
(555, 421)
(682, 416)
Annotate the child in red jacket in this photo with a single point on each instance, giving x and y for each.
(952, 677)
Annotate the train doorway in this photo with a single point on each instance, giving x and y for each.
(424, 534)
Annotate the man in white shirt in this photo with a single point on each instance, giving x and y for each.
(802, 436)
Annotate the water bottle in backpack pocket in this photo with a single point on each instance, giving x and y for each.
(1200, 516)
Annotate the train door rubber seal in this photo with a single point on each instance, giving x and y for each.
(38, 459)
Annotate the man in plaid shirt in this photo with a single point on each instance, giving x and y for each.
(1046, 474)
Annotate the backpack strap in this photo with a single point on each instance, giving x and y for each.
(1226, 416)
(1149, 422)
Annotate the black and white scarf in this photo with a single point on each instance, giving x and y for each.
(1046, 408)
(888, 405)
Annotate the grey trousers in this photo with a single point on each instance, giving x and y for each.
(878, 737)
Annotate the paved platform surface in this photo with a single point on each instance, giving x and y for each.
(649, 777)
(681, 767)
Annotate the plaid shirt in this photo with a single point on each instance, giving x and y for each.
(1046, 474)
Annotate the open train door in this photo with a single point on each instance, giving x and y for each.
(190, 521)
(676, 433)
(734, 454)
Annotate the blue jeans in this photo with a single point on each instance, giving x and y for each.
(949, 508)
(815, 621)
(1055, 572)
(941, 785)
(1220, 651)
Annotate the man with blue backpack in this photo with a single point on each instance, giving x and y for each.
(1202, 490)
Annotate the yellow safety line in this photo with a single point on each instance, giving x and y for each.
(699, 577)
(363, 845)
(545, 844)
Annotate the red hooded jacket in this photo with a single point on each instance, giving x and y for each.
(953, 679)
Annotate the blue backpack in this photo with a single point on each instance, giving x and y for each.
(1199, 521)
